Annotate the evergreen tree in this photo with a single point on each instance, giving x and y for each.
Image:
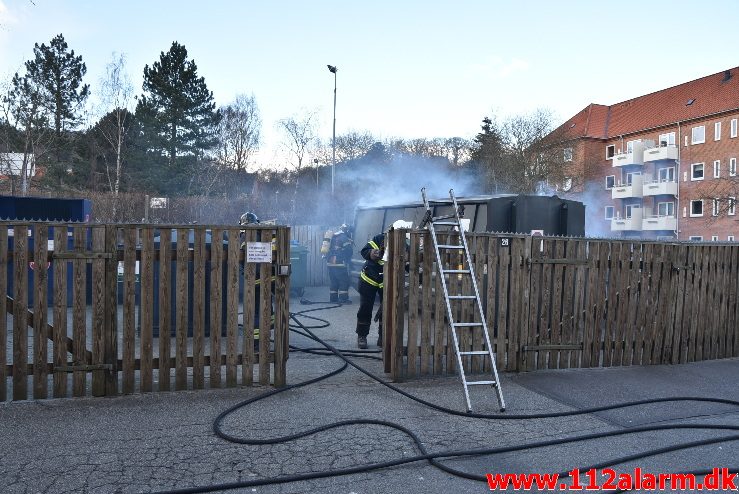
(58, 72)
(177, 115)
(53, 84)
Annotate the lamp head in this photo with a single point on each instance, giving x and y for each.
(332, 68)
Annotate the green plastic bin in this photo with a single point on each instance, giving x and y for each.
(299, 269)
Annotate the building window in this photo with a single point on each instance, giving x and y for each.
(610, 151)
(666, 174)
(732, 167)
(567, 184)
(714, 209)
(666, 209)
(733, 127)
(695, 238)
(568, 154)
(730, 238)
(731, 211)
(610, 181)
(667, 139)
(696, 171)
(717, 131)
(717, 169)
(609, 212)
(699, 135)
(714, 238)
(630, 209)
(696, 208)
(630, 177)
(630, 145)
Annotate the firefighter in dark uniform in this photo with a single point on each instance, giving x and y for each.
(337, 260)
(370, 284)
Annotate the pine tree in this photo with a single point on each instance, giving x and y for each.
(177, 113)
(50, 95)
(59, 73)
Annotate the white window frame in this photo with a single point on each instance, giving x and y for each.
(714, 238)
(694, 139)
(612, 210)
(614, 181)
(669, 209)
(630, 145)
(730, 238)
(717, 131)
(695, 215)
(696, 238)
(731, 210)
(567, 154)
(733, 126)
(669, 173)
(693, 178)
(668, 138)
(732, 167)
(717, 169)
(629, 209)
(630, 177)
(612, 147)
(715, 206)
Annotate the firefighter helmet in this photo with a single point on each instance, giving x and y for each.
(248, 218)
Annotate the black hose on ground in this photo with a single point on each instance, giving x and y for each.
(432, 457)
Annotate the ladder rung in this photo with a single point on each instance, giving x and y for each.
(446, 223)
(435, 219)
(479, 383)
(476, 352)
(460, 271)
(448, 246)
(466, 324)
(461, 297)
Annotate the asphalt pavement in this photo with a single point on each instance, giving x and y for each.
(158, 442)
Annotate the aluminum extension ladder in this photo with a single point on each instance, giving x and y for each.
(454, 221)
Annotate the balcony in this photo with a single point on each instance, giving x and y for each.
(635, 157)
(628, 224)
(660, 153)
(627, 191)
(659, 223)
(655, 188)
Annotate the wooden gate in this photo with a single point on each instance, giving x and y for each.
(138, 308)
(564, 302)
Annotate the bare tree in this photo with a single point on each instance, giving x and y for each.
(239, 132)
(116, 95)
(523, 154)
(300, 134)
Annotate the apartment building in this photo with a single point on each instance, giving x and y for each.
(662, 165)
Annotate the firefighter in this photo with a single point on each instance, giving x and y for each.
(338, 257)
(370, 284)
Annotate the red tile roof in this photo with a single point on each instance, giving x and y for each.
(711, 94)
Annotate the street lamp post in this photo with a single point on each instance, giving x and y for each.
(333, 69)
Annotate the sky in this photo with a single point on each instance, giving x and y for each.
(408, 69)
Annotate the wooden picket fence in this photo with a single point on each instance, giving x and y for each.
(555, 303)
(311, 236)
(137, 313)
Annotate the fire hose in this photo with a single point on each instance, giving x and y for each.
(433, 458)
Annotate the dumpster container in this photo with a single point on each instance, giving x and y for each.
(298, 269)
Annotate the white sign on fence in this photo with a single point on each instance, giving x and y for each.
(258, 252)
(159, 202)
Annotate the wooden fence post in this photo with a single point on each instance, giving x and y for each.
(282, 307)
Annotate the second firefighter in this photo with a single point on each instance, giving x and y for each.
(370, 285)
